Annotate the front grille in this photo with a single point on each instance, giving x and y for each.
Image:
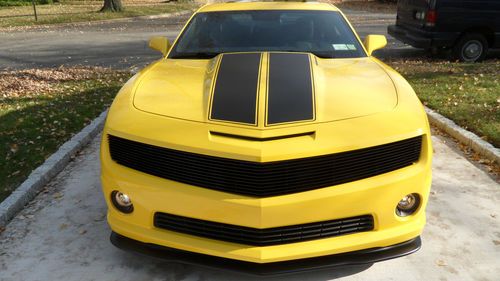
(265, 236)
(264, 179)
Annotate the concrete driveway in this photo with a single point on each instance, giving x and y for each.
(63, 234)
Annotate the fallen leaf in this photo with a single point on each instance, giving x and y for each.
(57, 195)
(99, 218)
(14, 148)
(441, 263)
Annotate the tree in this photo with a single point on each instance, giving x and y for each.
(112, 6)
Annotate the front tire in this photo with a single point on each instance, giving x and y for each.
(471, 47)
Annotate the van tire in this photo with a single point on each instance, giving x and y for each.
(471, 47)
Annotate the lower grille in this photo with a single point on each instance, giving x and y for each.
(265, 236)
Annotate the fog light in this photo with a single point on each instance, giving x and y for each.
(122, 202)
(408, 205)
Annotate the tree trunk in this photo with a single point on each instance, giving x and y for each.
(112, 6)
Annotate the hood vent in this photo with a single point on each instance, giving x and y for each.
(248, 138)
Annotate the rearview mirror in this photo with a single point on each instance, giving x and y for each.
(160, 43)
(374, 42)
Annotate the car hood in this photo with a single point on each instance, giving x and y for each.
(265, 89)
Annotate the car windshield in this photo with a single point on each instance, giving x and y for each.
(323, 33)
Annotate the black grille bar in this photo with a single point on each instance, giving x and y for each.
(265, 236)
(269, 178)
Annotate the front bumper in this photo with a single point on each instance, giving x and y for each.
(361, 257)
(377, 196)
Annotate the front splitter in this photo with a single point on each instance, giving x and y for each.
(362, 257)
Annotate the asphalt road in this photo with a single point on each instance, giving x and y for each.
(119, 44)
(63, 234)
(123, 44)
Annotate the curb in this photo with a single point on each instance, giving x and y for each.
(465, 137)
(161, 16)
(48, 170)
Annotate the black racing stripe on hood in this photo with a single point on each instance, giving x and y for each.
(290, 93)
(234, 97)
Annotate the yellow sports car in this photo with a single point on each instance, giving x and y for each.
(267, 137)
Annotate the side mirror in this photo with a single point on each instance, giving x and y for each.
(160, 43)
(374, 42)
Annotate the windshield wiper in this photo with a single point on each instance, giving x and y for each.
(209, 55)
(324, 55)
(198, 55)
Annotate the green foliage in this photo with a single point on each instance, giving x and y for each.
(469, 94)
(33, 125)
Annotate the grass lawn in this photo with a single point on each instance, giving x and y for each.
(469, 94)
(41, 109)
(84, 11)
(7, 3)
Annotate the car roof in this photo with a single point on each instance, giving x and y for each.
(272, 5)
